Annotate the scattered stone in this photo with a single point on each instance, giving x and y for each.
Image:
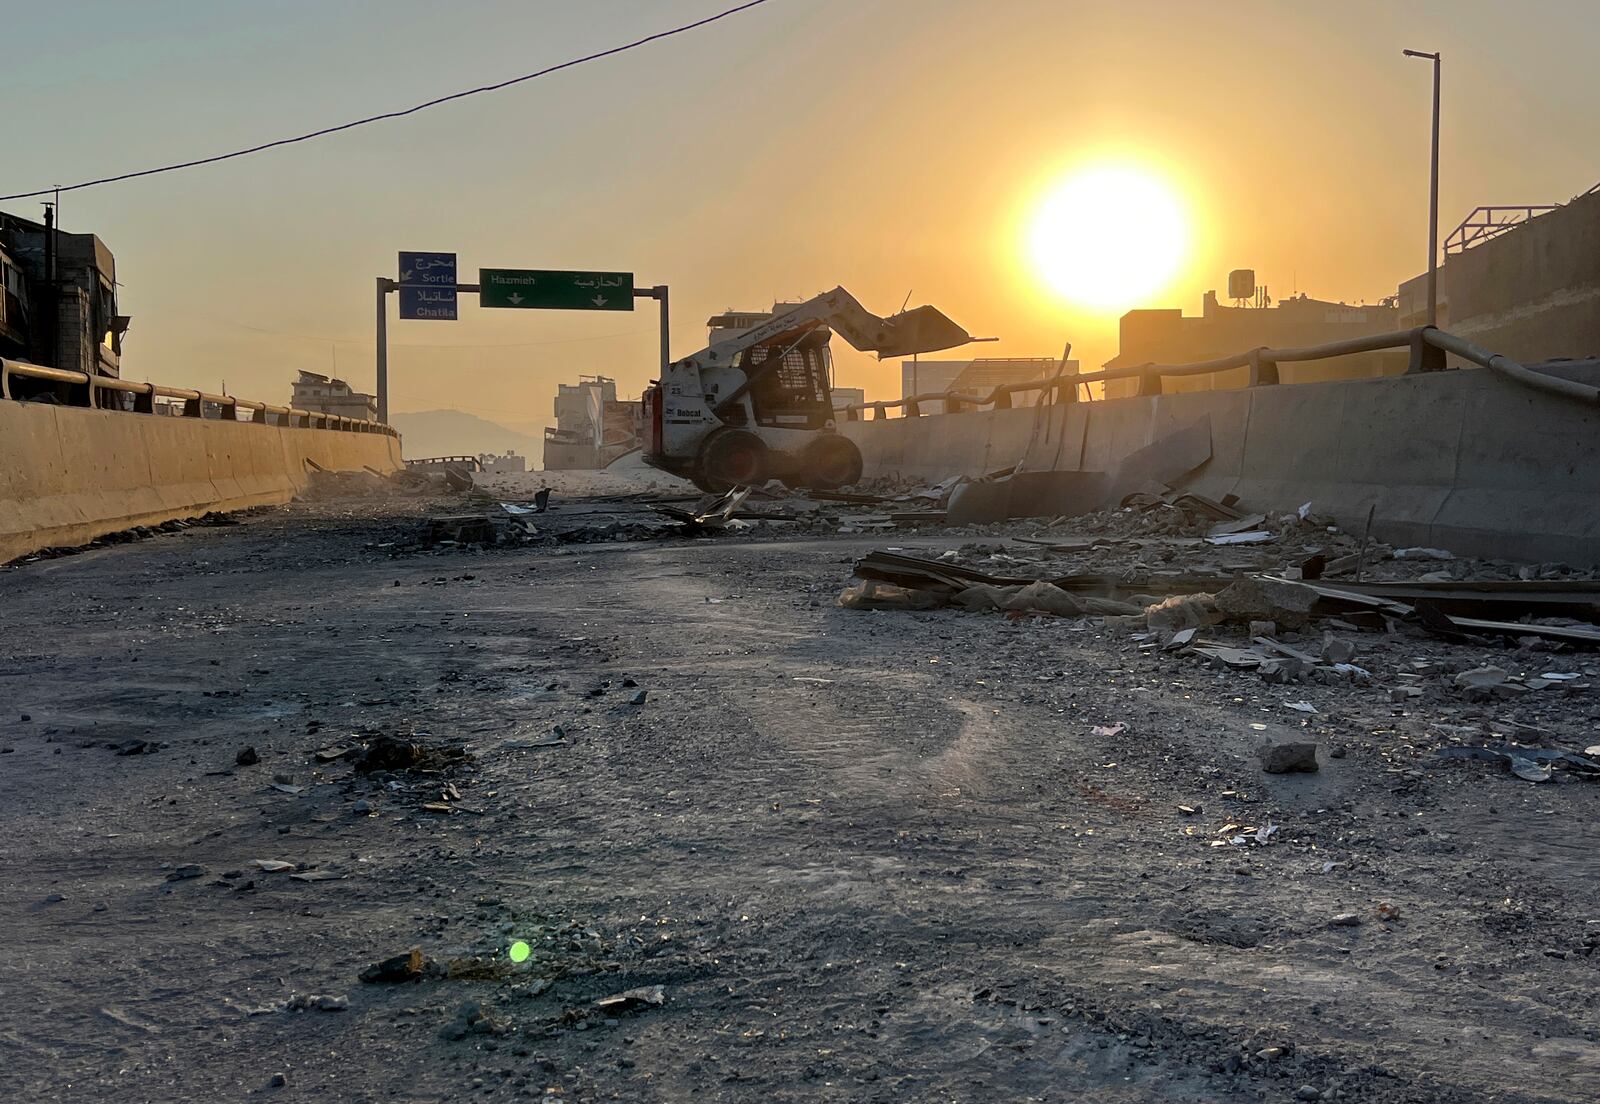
(1345, 920)
(1254, 598)
(394, 753)
(1308, 1092)
(1268, 629)
(133, 747)
(26, 718)
(1335, 650)
(400, 967)
(246, 757)
(272, 866)
(632, 1000)
(316, 876)
(1481, 678)
(183, 873)
(1287, 754)
(471, 1019)
(278, 1081)
(639, 697)
(362, 807)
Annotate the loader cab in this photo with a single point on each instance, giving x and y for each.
(798, 393)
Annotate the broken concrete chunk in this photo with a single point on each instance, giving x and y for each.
(647, 996)
(1043, 597)
(873, 595)
(1258, 598)
(1423, 554)
(1481, 678)
(1335, 650)
(982, 596)
(1180, 639)
(1286, 753)
(1183, 611)
(1244, 659)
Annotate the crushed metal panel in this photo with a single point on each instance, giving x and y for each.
(1028, 494)
(1071, 493)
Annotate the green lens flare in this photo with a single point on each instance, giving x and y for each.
(520, 951)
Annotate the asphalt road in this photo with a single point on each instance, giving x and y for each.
(865, 856)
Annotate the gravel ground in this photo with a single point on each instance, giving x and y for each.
(863, 855)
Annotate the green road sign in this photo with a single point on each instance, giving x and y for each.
(540, 289)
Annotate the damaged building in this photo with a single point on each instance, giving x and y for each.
(593, 427)
(330, 395)
(59, 301)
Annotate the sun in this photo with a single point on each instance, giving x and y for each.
(1109, 236)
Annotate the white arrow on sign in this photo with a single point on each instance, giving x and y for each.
(599, 300)
(515, 298)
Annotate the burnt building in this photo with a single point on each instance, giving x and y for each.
(58, 306)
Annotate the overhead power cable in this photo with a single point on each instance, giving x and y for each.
(624, 48)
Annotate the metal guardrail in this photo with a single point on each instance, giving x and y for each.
(471, 463)
(85, 390)
(1427, 344)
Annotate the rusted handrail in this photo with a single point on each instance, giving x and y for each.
(85, 389)
(1427, 344)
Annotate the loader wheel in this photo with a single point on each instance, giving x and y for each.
(732, 458)
(830, 462)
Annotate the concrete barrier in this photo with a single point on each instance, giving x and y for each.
(1464, 460)
(70, 474)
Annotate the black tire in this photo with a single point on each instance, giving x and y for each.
(830, 462)
(732, 458)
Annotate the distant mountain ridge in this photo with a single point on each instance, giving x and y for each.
(456, 433)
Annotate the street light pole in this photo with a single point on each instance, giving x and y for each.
(1433, 196)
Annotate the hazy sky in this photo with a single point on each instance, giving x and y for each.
(891, 146)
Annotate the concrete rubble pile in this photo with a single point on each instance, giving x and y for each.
(1307, 606)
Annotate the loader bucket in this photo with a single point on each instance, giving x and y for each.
(919, 330)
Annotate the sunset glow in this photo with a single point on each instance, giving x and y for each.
(1108, 237)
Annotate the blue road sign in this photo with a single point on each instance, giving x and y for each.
(428, 286)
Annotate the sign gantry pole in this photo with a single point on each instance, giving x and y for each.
(385, 286)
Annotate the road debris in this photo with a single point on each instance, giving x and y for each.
(1287, 753)
(1531, 764)
(633, 1000)
(472, 1019)
(410, 966)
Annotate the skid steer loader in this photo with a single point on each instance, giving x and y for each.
(757, 404)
